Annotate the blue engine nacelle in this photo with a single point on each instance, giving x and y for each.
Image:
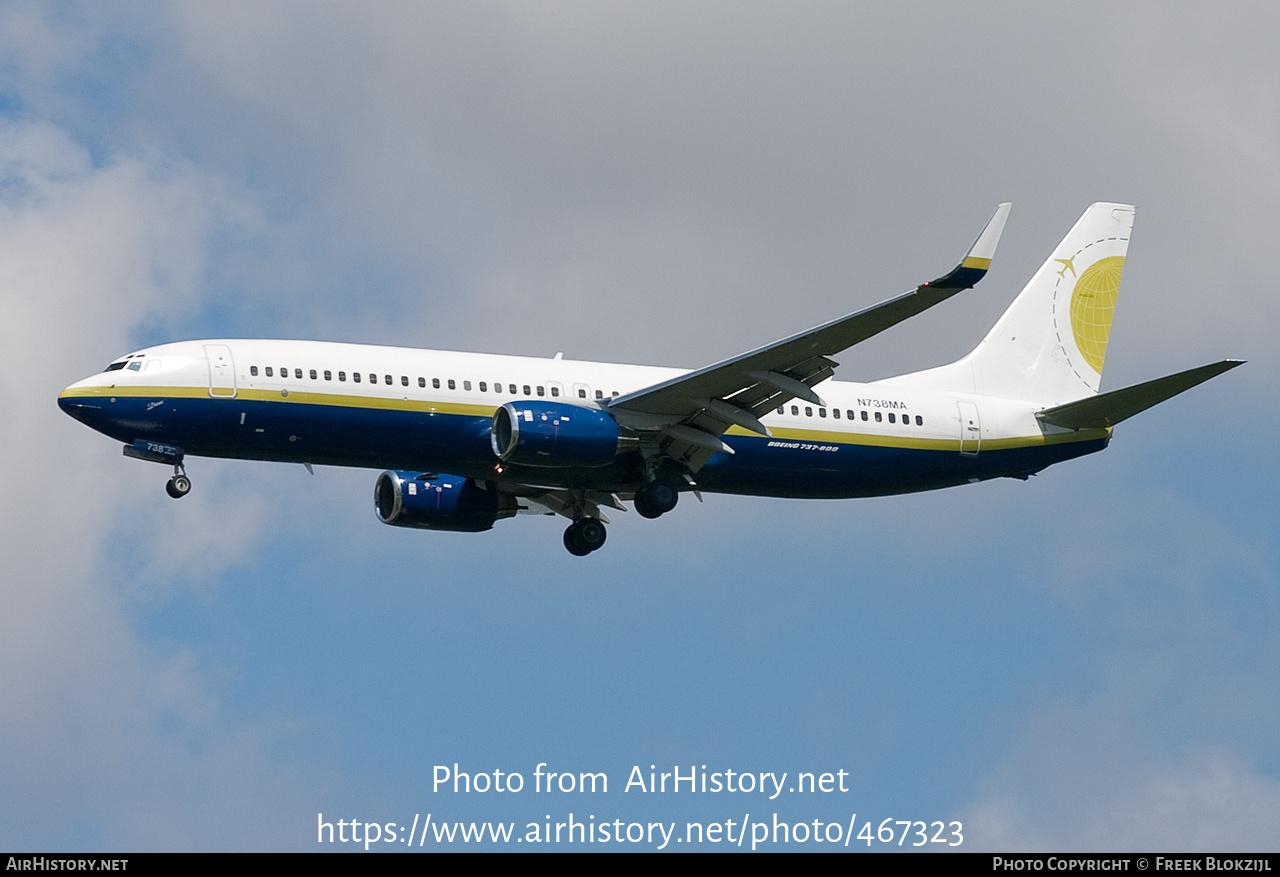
(554, 435)
(444, 502)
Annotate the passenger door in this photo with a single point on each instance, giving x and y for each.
(222, 372)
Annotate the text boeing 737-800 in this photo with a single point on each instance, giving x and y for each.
(555, 436)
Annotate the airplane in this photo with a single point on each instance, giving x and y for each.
(469, 439)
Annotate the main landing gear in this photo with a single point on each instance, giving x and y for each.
(656, 498)
(584, 536)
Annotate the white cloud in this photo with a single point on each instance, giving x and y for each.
(95, 723)
(1080, 783)
(1156, 737)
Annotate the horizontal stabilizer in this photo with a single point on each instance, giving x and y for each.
(1108, 409)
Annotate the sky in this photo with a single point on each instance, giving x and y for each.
(1086, 661)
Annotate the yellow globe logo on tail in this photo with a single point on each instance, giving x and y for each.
(1092, 303)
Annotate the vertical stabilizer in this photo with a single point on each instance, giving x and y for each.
(1050, 345)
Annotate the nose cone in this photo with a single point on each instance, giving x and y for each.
(80, 406)
(88, 403)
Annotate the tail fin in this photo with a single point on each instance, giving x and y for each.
(1050, 345)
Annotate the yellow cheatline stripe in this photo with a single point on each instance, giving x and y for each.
(294, 396)
(131, 392)
(975, 262)
(813, 436)
(1065, 438)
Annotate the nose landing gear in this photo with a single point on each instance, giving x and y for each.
(157, 452)
(179, 485)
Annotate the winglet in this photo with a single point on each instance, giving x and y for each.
(973, 267)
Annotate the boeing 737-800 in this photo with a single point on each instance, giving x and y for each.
(469, 439)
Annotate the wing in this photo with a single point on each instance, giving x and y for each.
(688, 415)
(572, 504)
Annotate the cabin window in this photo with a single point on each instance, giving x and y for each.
(328, 375)
(342, 376)
(822, 412)
(782, 411)
(297, 373)
(850, 413)
(795, 410)
(891, 419)
(313, 374)
(511, 388)
(878, 417)
(599, 394)
(484, 387)
(835, 412)
(404, 380)
(355, 376)
(466, 385)
(919, 420)
(582, 394)
(864, 415)
(542, 391)
(268, 371)
(253, 370)
(284, 372)
(526, 390)
(808, 411)
(452, 385)
(555, 391)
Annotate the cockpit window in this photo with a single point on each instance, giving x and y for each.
(114, 367)
(136, 365)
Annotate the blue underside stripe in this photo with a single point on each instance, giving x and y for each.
(459, 444)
